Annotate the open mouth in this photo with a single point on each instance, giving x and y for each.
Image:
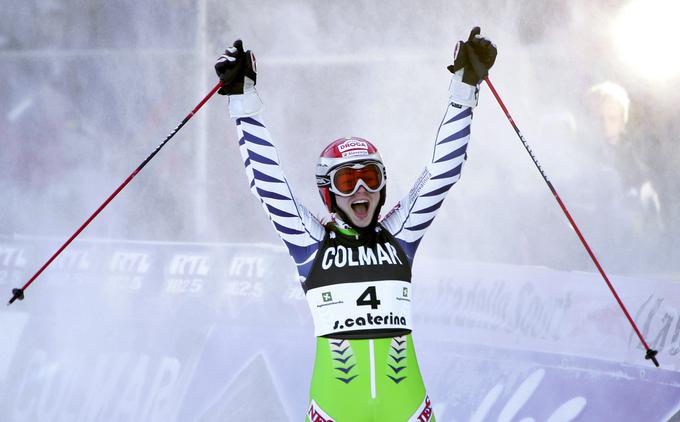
(360, 208)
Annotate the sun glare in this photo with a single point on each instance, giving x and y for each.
(646, 35)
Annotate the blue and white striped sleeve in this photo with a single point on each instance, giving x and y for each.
(411, 217)
(298, 228)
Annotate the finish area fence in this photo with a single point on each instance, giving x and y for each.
(143, 331)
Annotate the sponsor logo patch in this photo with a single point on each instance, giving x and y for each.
(316, 414)
(352, 144)
(341, 256)
(424, 413)
(415, 191)
(355, 153)
(371, 321)
(392, 211)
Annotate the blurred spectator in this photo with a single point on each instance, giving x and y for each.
(625, 156)
(618, 190)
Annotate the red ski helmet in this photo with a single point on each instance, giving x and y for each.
(344, 152)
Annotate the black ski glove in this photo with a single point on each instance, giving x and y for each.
(475, 56)
(237, 70)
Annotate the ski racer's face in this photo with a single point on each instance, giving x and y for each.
(360, 207)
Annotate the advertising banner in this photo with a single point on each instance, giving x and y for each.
(146, 331)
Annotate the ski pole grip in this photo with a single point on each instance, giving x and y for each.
(481, 71)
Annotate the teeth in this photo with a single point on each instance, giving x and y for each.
(361, 201)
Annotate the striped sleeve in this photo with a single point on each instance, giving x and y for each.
(411, 217)
(298, 228)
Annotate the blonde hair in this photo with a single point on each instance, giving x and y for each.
(611, 91)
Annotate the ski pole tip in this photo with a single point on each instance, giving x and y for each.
(651, 354)
(17, 294)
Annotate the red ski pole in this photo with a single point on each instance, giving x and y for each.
(651, 354)
(19, 292)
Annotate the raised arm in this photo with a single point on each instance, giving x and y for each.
(414, 213)
(298, 228)
(411, 217)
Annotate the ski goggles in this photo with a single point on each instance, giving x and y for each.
(346, 180)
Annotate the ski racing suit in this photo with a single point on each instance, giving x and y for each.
(358, 283)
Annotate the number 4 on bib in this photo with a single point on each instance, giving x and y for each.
(369, 298)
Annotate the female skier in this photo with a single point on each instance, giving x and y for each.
(356, 268)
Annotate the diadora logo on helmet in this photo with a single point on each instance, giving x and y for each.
(352, 144)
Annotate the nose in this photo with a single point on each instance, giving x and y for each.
(361, 189)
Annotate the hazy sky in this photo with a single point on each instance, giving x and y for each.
(94, 88)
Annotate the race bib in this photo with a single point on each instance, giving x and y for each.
(366, 305)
